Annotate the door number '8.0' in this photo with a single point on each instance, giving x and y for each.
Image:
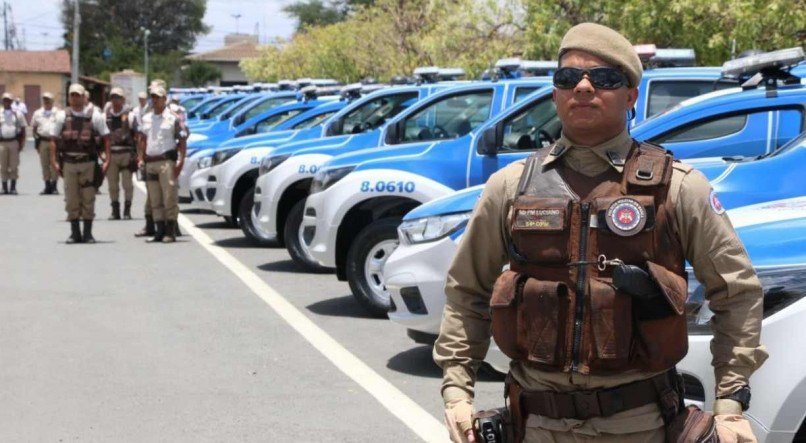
(387, 186)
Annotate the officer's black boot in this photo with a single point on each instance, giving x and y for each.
(75, 233)
(127, 210)
(88, 238)
(13, 190)
(115, 211)
(5, 187)
(46, 191)
(170, 231)
(148, 229)
(53, 188)
(159, 233)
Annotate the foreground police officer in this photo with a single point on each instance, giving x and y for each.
(123, 150)
(12, 140)
(74, 155)
(44, 124)
(590, 361)
(162, 150)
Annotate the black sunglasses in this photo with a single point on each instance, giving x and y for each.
(600, 78)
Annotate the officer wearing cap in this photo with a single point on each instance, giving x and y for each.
(162, 150)
(44, 124)
(145, 107)
(12, 140)
(592, 358)
(123, 150)
(74, 156)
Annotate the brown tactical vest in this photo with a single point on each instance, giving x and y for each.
(78, 135)
(120, 133)
(556, 309)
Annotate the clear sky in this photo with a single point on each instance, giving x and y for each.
(39, 20)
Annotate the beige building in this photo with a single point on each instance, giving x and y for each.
(236, 48)
(27, 74)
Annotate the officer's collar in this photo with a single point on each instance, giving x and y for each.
(613, 151)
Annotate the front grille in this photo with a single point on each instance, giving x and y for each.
(693, 388)
(413, 300)
(310, 212)
(210, 194)
(308, 233)
(199, 195)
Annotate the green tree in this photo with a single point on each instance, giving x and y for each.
(199, 73)
(310, 13)
(118, 27)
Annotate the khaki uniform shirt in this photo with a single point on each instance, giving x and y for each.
(162, 131)
(11, 123)
(45, 122)
(710, 245)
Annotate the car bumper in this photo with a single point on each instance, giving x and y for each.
(265, 207)
(320, 227)
(198, 190)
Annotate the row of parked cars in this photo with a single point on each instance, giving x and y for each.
(377, 182)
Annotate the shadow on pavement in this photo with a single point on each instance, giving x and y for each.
(419, 362)
(214, 225)
(290, 266)
(341, 307)
(237, 242)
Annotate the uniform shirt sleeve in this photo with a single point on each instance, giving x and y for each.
(21, 121)
(180, 133)
(99, 123)
(465, 330)
(732, 288)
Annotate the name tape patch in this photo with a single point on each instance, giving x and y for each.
(626, 217)
(548, 219)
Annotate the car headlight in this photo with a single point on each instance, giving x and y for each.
(270, 162)
(205, 162)
(782, 286)
(427, 229)
(325, 178)
(222, 156)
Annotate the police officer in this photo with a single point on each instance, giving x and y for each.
(43, 124)
(74, 156)
(12, 140)
(145, 107)
(591, 359)
(138, 111)
(122, 147)
(162, 150)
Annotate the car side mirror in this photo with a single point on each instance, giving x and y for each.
(393, 133)
(490, 140)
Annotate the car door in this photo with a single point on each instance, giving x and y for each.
(744, 133)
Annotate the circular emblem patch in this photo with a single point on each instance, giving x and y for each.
(626, 217)
(716, 205)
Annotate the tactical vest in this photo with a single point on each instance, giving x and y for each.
(556, 308)
(120, 133)
(78, 135)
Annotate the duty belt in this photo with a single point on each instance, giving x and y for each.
(156, 158)
(76, 158)
(8, 139)
(582, 405)
(122, 150)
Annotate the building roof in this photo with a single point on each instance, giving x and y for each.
(35, 61)
(230, 53)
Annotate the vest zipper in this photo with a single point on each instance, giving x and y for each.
(580, 289)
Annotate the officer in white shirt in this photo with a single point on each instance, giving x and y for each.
(12, 140)
(43, 124)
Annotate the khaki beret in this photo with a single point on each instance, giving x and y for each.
(7, 96)
(606, 44)
(76, 88)
(116, 91)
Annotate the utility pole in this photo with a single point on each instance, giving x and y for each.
(5, 23)
(76, 30)
(146, 33)
(236, 17)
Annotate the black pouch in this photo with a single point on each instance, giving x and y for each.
(493, 426)
(172, 155)
(97, 176)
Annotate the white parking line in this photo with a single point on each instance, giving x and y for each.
(404, 408)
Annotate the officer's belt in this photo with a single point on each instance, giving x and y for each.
(582, 405)
(76, 158)
(13, 139)
(156, 158)
(122, 150)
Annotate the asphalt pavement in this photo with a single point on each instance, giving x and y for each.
(207, 339)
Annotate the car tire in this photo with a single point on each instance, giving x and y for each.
(231, 222)
(247, 222)
(369, 251)
(293, 240)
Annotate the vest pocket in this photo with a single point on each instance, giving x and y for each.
(527, 317)
(539, 229)
(611, 324)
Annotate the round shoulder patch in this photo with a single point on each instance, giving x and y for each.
(626, 217)
(716, 205)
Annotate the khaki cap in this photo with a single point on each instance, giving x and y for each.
(47, 95)
(606, 44)
(7, 96)
(76, 88)
(142, 95)
(157, 90)
(116, 91)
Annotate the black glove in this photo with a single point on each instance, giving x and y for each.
(649, 303)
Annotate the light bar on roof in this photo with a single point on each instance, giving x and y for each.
(508, 64)
(674, 57)
(451, 73)
(309, 90)
(426, 70)
(645, 52)
(755, 63)
(538, 67)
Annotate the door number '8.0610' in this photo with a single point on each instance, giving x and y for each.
(387, 186)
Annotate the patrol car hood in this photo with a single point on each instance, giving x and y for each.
(460, 201)
(250, 140)
(326, 146)
(293, 147)
(366, 155)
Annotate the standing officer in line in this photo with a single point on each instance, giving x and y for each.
(138, 111)
(123, 150)
(592, 359)
(162, 149)
(145, 107)
(77, 150)
(12, 140)
(44, 124)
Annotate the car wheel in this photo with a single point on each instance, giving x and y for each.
(364, 267)
(246, 215)
(231, 222)
(293, 239)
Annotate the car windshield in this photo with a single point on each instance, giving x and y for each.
(449, 117)
(191, 102)
(222, 106)
(205, 105)
(268, 124)
(261, 106)
(374, 113)
(237, 107)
